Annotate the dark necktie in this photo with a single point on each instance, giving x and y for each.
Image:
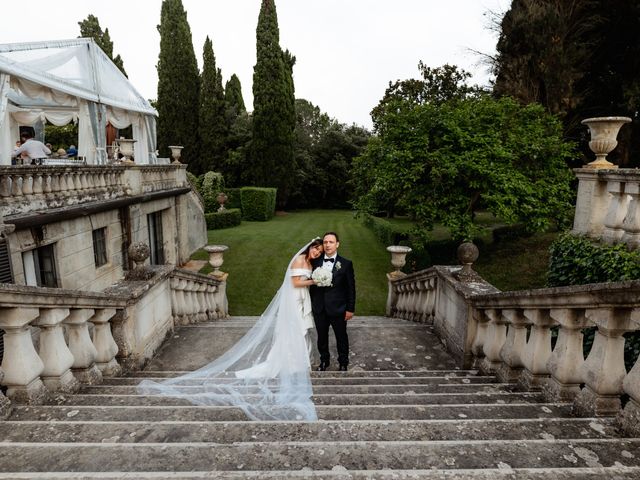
(330, 260)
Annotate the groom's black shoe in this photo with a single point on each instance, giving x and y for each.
(322, 367)
(343, 368)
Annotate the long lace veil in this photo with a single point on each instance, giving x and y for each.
(266, 373)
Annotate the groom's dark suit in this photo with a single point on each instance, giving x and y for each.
(329, 305)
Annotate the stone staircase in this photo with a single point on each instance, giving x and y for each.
(403, 411)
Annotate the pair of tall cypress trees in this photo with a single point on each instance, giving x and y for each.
(183, 91)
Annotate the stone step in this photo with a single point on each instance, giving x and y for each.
(471, 454)
(468, 398)
(337, 430)
(337, 374)
(336, 389)
(325, 412)
(337, 473)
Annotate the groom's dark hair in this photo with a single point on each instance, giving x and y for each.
(331, 233)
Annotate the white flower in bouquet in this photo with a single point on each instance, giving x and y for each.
(322, 277)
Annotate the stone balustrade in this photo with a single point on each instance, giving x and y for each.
(25, 189)
(511, 334)
(196, 298)
(607, 205)
(54, 339)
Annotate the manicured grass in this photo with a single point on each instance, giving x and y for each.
(260, 251)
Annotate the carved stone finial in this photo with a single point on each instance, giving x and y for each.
(139, 252)
(467, 254)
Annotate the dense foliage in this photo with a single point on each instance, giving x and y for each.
(258, 203)
(230, 217)
(441, 161)
(178, 83)
(90, 28)
(212, 123)
(212, 185)
(272, 144)
(577, 260)
(578, 59)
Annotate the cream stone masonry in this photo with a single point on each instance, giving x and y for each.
(607, 205)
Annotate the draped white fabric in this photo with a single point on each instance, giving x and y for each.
(6, 145)
(266, 373)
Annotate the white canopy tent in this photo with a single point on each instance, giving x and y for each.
(71, 81)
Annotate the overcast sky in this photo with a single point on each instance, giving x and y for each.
(347, 50)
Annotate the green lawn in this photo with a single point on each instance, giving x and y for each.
(259, 252)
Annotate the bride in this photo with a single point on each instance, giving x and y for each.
(266, 373)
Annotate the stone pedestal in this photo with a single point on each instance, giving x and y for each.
(83, 350)
(55, 354)
(591, 204)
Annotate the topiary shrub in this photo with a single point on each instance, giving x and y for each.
(258, 203)
(212, 185)
(228, 218)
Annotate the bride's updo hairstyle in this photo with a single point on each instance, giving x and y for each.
(314, 243)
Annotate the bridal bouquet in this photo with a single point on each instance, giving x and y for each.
(322, 277)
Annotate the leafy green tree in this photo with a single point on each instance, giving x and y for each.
(90, 28)
(441, 161)
(212, 122)
(272, 147)
(233, 96)
(178, 83)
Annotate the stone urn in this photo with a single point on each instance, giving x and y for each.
(176, 153)
(125, 145)
(216, 254)
(221, 198)
(467, 254)
(604, 131)
(398, 258)
(139, 252)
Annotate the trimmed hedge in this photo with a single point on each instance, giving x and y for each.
(577, 260)
(234, 199)
(258, 203)
(228, 218)
(387, 232)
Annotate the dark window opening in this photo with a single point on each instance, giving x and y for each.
(100, 246)
(154, 222)
(45, 266)
(6, 275)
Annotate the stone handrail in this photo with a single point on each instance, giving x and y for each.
(607, 205)
(196, 297)
(57, 365)
(25, 189)
(510, 334)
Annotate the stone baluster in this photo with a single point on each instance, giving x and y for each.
(212, 311)
(411, 301)
(538, 349)
(495, 337)
(63, 177)
(175, 294)
(16, 185)
(221, 297)
(202, 311)
(56, 182)
(106, 346)
(629, 419)
(567, 356)
(631, 222)
(46, 183)
(27, 184)
(21, 364)
(55, 354)
(84, 352)
(603, 371)
(38, 187)
(480, 336)
(5, 186)
(616, 212)
(431, 298)
(419, 314)
(514, 345)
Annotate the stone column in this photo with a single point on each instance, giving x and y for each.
(538, 349)
(106, 346)
(21, 364)
(514, 346)
(591, 204)
(604, 370)
(567, 358)
(495, 337)
(55, 354)
(84, 352)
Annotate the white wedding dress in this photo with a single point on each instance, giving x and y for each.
(266, 373)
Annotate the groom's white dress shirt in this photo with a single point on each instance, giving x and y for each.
(329, 265)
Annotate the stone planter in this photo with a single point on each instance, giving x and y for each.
(216, 254)
(221, 198)
(126, 148)
(398, 258)
(604, 131)
(176, 152)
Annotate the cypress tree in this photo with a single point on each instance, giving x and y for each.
(272, 148)
(212, 121)
(90, 28)
(178, 83)
(233, 96)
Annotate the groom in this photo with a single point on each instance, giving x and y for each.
(333, 306)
